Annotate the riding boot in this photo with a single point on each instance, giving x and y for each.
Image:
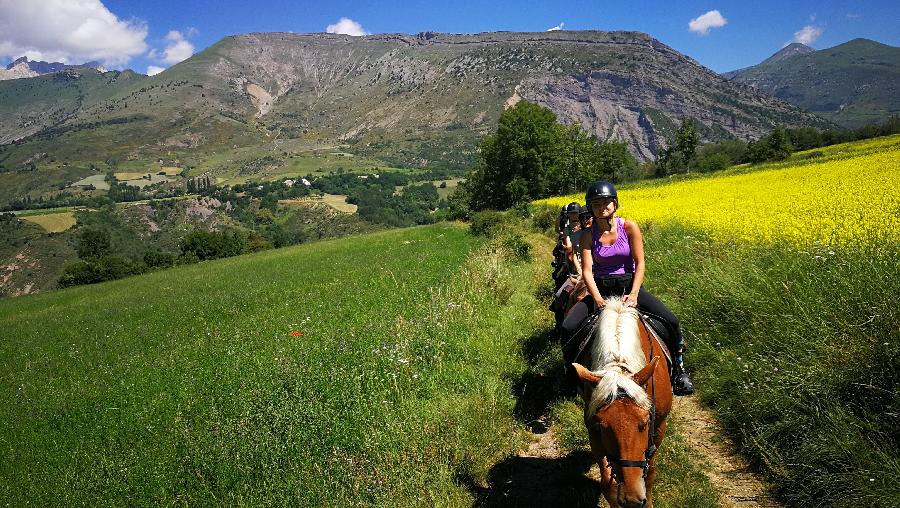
(681, 381)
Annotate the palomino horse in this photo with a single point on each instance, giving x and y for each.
(627, 397)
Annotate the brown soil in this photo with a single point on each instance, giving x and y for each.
(525, 480)
(737, 485)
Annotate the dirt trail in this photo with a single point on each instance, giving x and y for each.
(523, 480)
(737, 485)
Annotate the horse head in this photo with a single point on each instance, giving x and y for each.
(620, 427)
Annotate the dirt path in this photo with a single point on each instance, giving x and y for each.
(730, 473)
(523, 480)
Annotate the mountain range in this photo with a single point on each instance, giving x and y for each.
(406, 99)
(852, 84)
(24, 68)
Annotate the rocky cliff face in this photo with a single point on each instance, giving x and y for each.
(417, 99)
(620, 85)
(24, 68)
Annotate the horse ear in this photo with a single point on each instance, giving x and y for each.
(646, 373)
(586, 375)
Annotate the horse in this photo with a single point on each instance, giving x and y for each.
(627, 396)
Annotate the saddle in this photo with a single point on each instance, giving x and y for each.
(576, 345)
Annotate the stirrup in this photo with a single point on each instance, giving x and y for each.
(682, 384)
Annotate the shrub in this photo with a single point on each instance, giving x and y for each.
(518, 247)
(213, 245)
(486, 223)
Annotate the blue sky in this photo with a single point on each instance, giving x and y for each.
(157, 33)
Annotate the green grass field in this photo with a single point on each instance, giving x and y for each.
(188, 386)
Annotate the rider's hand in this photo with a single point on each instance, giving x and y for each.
(630, 300)
(600, 302)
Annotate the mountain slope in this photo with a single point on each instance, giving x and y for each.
(853, 84)
(410, 100)
(24, 68)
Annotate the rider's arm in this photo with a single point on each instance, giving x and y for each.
(587, 268)
(636, 241)
(570, 255)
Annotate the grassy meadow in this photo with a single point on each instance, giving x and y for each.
(195, 384)
(382, 370)
(785, 277)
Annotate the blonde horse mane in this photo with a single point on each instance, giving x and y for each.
(616, 356)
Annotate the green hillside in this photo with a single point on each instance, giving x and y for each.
(852, 84)
(188, 385)
(383, 370)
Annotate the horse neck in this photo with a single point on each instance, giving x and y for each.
(613, 345)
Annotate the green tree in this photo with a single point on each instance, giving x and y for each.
(93, 243)
(774, 146)
(521, 161)
(678, 156)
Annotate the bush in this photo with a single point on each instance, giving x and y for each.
(518, 248)
(95, 270)
(486, 223)
(157, 259)
(212, 245)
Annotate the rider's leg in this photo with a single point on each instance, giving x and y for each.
(681, 381)
(570, 326)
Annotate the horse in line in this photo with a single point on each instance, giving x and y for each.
(627, 396)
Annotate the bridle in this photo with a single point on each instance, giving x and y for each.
(651, 434)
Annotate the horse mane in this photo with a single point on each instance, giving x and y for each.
(616, 356)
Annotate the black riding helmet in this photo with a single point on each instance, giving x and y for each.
(573, 207)
(599, 190)
(585, 212)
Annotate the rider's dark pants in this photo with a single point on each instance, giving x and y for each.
(647, 303)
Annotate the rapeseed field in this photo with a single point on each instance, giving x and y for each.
(840, 196)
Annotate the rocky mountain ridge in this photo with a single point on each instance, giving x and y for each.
(407, 99)
(24, 68)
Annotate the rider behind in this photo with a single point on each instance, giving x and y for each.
(612, 264)
(570, 242)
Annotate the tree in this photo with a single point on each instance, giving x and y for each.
(531, 156)
(93, 243)
(680, 153)
(774, 146)
(521, 160)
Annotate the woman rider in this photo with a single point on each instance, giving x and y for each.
(612, 262)
(568, 240)
(573, 236)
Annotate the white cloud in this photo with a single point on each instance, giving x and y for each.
(853, 16)
(346, 26)
(807, 35)
(69, 31)
(178, 48)
(557, 27)
(702, 24)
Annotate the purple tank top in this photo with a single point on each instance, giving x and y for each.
(614, 259)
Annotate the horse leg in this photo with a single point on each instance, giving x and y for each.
(607, 484)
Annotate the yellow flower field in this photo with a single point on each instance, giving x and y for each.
(849, 199)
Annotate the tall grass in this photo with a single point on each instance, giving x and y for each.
(187, 386)
(798, 352)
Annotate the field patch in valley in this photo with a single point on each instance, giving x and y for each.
(52, 222)
(336, 201)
